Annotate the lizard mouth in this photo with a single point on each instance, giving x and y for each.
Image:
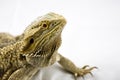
(39, 53)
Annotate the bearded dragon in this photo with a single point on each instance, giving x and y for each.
(35, 49)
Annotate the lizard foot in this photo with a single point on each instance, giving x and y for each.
(81, 72)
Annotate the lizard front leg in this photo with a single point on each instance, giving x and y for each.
(70, 66)
(25, 73)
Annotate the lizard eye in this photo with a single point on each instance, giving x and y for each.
(31, 40)
(44, 24)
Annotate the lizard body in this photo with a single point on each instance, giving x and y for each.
(6, 39)
(36, 48)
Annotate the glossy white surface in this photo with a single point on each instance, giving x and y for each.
(91, 36)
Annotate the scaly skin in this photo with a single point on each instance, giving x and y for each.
(6, 39)
(36, 48)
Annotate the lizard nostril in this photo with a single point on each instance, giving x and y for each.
(44, 25)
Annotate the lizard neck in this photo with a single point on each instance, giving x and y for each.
(13, 47)
(55, 46)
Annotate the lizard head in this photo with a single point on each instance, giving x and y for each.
(42, 38)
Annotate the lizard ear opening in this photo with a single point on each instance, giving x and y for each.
(31, 40)
(27, 44)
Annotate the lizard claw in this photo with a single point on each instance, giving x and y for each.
(83, 71)
(84, 67)
(92, 68)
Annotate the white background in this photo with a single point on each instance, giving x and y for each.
(91, 36)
